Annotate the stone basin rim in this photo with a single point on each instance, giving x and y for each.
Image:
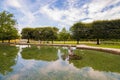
(109, 50)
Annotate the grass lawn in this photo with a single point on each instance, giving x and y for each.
(97, 60)
(105, 44)
(90, 43)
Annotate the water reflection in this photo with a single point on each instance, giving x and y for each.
(40, 53)
(7, 58)
(32, 69)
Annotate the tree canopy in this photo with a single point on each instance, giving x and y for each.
(41, 33)
(7, 26)
(104, 29)
(64, 35)
(80, 31)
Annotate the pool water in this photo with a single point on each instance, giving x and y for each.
(46, 63)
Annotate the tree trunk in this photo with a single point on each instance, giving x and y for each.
(8, 41)
(2, 41)
(28, 41)
(52, 41)
(15, 40)
(77, 41)
(98, 41)
(64, 41)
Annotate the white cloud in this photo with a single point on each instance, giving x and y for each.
(73, 14)
(87, 13)
(26, 16)
(95, 10)
(97, 5)
(13, 3)
(63, 16)
(30, 13)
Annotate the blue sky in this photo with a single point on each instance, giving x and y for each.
(60, 13)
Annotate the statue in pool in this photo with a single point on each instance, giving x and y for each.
(71, 55)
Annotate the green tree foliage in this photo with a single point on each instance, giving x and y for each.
(37, 34)
(99, 30)
(64, 35)
(7, 29)
(114, 29)
(43, 33)
(106, 29)
(27, 33)
(80, 31)
(48, 33)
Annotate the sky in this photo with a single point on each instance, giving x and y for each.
(60, 13)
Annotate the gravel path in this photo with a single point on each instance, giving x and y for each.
(109, 50)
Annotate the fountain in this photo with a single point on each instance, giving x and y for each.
(71, 55)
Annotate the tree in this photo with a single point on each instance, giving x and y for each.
(113, 29)
(98, 30)
(79, 31)
(106, 30)
(42, 33)
(55, 29)
(12, 34)
(64, 35)
(37, 34)
(55, 33)
(49, 33)
(7, 29)
(27, 33)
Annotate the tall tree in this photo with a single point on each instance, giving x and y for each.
(64, 35)
(106, 29)
(27, 33)
(37, 34)
(79, 31)
(113, 27)
(7, 29)
(49, 33)
(98, 30)
(42, 33)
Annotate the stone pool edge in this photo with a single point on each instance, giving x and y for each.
(109, 50)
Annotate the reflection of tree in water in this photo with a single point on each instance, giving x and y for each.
(46, 53)
(7, 58)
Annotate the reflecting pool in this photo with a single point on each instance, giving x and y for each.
(45, 63)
